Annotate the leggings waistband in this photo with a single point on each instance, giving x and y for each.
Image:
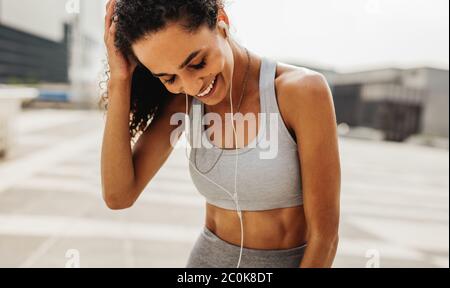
(249, 251)
(211, 251)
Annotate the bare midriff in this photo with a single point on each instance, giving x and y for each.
(282, 228)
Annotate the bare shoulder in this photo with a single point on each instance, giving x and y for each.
(299, 80)
(303, 95)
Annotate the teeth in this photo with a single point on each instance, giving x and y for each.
(207, 90)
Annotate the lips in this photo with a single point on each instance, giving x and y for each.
(209, 90)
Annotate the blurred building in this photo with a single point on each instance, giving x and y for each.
(34, 42)
(55, 45)
(27, 58)
(399, 102)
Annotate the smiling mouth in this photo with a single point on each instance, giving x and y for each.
(208, 89)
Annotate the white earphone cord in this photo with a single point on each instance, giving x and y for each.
(235, 197)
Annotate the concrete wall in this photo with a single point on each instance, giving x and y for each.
(26, 58)
(435, 120)
(45, 18)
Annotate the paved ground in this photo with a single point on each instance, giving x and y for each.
(395, 203)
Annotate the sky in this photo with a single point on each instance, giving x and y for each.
(46, 17)
(346, 35)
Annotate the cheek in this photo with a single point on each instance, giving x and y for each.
(219, 65)
(172, 89)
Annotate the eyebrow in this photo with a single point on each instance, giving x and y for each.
(186, 62)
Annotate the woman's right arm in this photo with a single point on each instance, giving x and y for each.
(125, 171)
(116, 164)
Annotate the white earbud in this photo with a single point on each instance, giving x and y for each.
(225, 27)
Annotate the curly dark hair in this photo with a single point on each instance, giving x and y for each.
(139, 18)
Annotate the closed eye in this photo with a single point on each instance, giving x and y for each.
(170, 81)
(199, 66)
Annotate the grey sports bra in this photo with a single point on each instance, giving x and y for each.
(263, 183)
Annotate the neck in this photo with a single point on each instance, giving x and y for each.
(240, 67)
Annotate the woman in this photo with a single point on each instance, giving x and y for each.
(166, 55)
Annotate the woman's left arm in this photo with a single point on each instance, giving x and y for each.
(313, 120)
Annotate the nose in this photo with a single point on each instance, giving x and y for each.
(192, 85)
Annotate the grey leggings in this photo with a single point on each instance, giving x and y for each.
(210, 251)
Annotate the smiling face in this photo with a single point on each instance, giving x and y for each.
(199, 64)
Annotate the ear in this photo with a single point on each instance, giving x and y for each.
(222, 16)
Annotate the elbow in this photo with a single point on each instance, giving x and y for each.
(117, 203)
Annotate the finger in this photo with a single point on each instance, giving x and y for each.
(109, 14)
(109, 20)
(112, 34)
(107, 5)
(112, 29)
